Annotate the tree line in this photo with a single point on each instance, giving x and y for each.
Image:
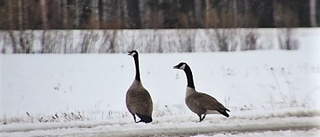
(156, 14)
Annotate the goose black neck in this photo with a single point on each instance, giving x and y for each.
(188, 72)
(136, 62)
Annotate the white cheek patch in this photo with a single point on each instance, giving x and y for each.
(132, 54)
(183, 66)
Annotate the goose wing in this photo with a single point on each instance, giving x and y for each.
(202, 103)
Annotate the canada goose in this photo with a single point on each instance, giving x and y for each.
(197, 102)
(138, 99)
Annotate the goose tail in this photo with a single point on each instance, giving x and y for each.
(224, 112)
(144, 118)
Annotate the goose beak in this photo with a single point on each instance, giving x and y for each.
(130, 54)
(175, 67)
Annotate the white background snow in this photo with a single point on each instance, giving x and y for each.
(269, 93)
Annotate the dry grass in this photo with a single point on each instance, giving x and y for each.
(147, 41)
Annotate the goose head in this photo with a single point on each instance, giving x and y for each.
(181, 65)
(133, 53)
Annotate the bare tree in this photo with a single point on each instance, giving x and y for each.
(131, 13)
(211, 16)
(249, 39)
(160, 40)
(25, 14)
(67, 40)
(44, 14)
(44, 26)
(89, 39)
(155, 18)
(222, 39)
(235, 13)
(286, 39)
(23, 37)
(109, 44)
(125, 13)
(20, 25)
(284, 16)
(186, 40)
(313, 17)
(103, 12)
(95, 14)
(77, 13)
(54, 19)
(11, 27)
(20, 15)
(64, 13)
(54, 41)
(198, 13)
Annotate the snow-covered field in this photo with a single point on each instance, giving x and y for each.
(269, 93)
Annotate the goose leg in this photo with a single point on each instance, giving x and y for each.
(134, 117)
(199, 117)
(204, 115)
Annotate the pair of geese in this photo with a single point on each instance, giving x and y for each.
(139, 102)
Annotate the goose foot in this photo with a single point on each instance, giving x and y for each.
(202, 118)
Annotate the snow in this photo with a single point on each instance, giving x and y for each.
(163, 126)
(302, 133)
(269, 93)
(167, 125)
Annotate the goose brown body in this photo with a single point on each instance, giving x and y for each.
(138, 99)
(201, 103)
(197, 102)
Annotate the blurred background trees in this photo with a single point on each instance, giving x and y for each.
(71, 26)
(157, 14)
